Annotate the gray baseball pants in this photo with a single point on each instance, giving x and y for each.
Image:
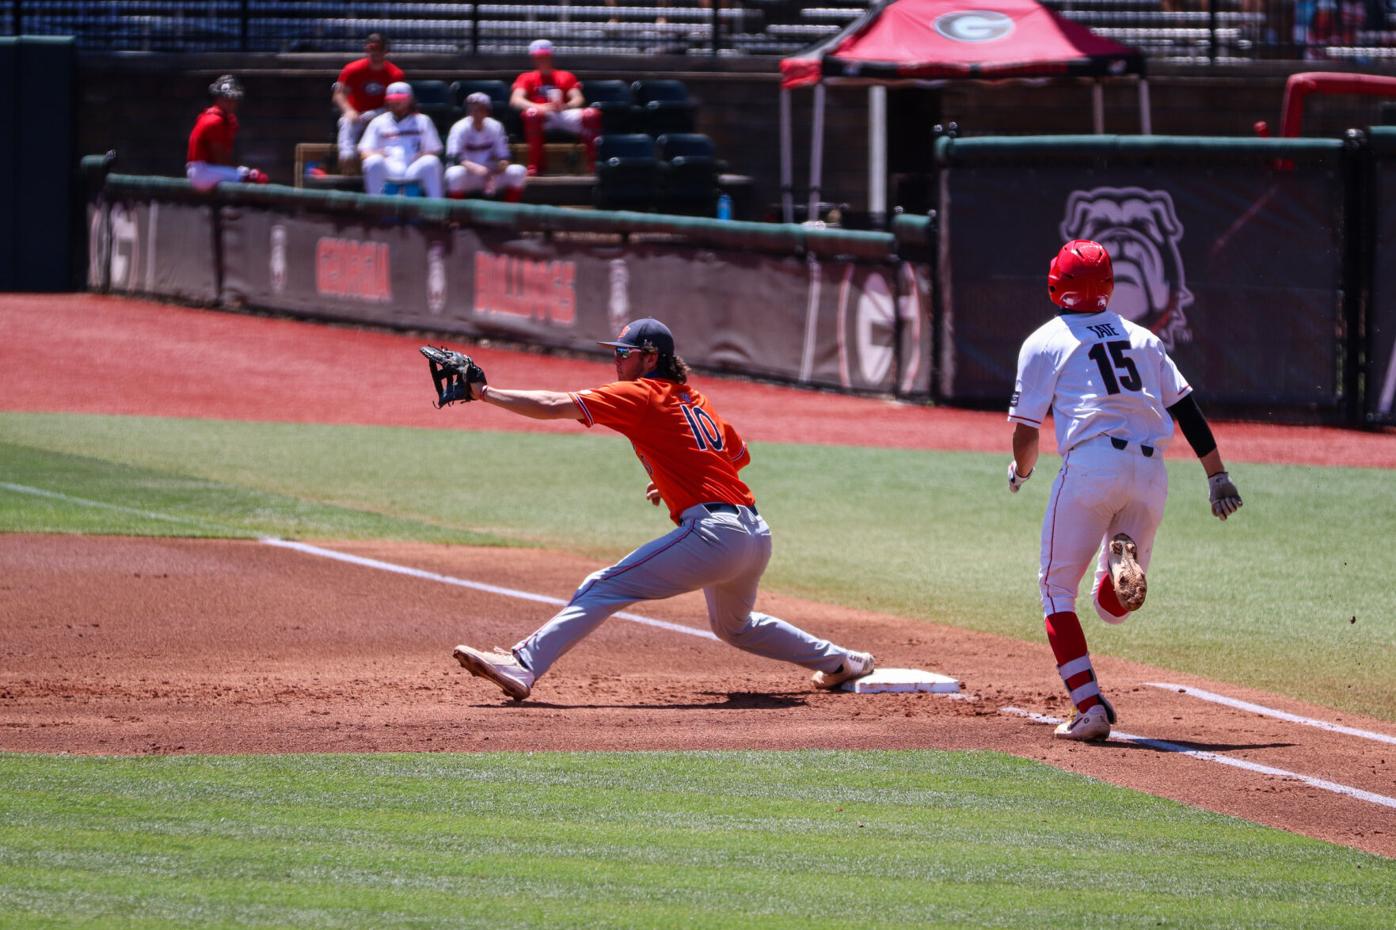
(722, 553)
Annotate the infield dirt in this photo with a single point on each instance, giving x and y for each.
(130, 646)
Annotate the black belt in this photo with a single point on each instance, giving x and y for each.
(1124, 444)
(727, 508)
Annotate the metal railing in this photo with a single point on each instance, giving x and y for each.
(620, 27)
(1361, 31)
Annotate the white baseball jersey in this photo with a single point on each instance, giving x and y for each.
(487, 145)
(401, 140)
(1099, 374)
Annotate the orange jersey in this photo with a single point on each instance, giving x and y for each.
(691, 454)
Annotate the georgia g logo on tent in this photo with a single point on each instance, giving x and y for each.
(973, 26)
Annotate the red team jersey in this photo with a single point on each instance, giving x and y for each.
(691, 454)
(212, 137)
(536, 86)
(365, 85)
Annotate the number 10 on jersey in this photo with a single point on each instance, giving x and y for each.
(705, 431)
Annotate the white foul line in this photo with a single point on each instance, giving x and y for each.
(1273, 712)
(1165, 746)
(308, 549)
(473, 585)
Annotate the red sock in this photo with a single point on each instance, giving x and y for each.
(533, 135)
(1107, 598)
(591, 128)
(1073, 660)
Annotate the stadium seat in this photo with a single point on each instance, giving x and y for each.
(616, 103)
(627, 173)
(434, 99)
(498, 93)
(664, 106)
(688, 173)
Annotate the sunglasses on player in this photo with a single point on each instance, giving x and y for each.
(625, 351)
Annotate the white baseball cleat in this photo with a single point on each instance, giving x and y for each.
(1090, 726)
(1126, 573)
(855, 665)
(499, 667)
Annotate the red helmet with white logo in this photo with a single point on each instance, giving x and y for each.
(1081, 278)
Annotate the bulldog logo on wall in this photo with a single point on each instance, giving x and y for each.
(973, 26)
(278, 258)
(1141, 231)
(436, 277)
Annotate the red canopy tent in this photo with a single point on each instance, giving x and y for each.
(923, 41)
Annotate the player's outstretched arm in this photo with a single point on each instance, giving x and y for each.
(1025, 448)
(536, 405)
(1221, 491)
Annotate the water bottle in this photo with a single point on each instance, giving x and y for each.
(724, 207)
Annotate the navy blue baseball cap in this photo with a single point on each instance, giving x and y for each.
(648, 333)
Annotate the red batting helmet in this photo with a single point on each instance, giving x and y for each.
(1081, 278)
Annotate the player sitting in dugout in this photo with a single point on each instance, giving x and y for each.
(551, 100)
(401, 146)
(479, 148)
(209, 161)
(360, 94)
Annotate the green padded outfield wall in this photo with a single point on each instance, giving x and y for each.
(37, 163)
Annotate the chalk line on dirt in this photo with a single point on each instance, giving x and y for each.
(396, 569)
(1238, 704)
(1202, 754)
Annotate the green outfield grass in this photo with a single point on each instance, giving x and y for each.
(663, 840)
(1267, 599)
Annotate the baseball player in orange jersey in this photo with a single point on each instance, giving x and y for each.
(1114, 394)
(721, 544)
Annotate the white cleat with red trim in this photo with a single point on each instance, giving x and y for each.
(1126, 573)
(1091, 725)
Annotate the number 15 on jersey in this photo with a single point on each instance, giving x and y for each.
(1116, 361)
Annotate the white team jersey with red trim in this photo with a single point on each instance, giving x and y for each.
(401, 139)
(1099, 374)
(483, 146)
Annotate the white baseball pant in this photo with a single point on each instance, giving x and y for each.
(426, 171)
(725, 555)
(461, 180)
(350, 131)
(206, 177)
(1100, 491)
(564, 121)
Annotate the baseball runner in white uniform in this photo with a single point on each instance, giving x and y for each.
(401, 145)
(480, 146)
(1114, 394)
